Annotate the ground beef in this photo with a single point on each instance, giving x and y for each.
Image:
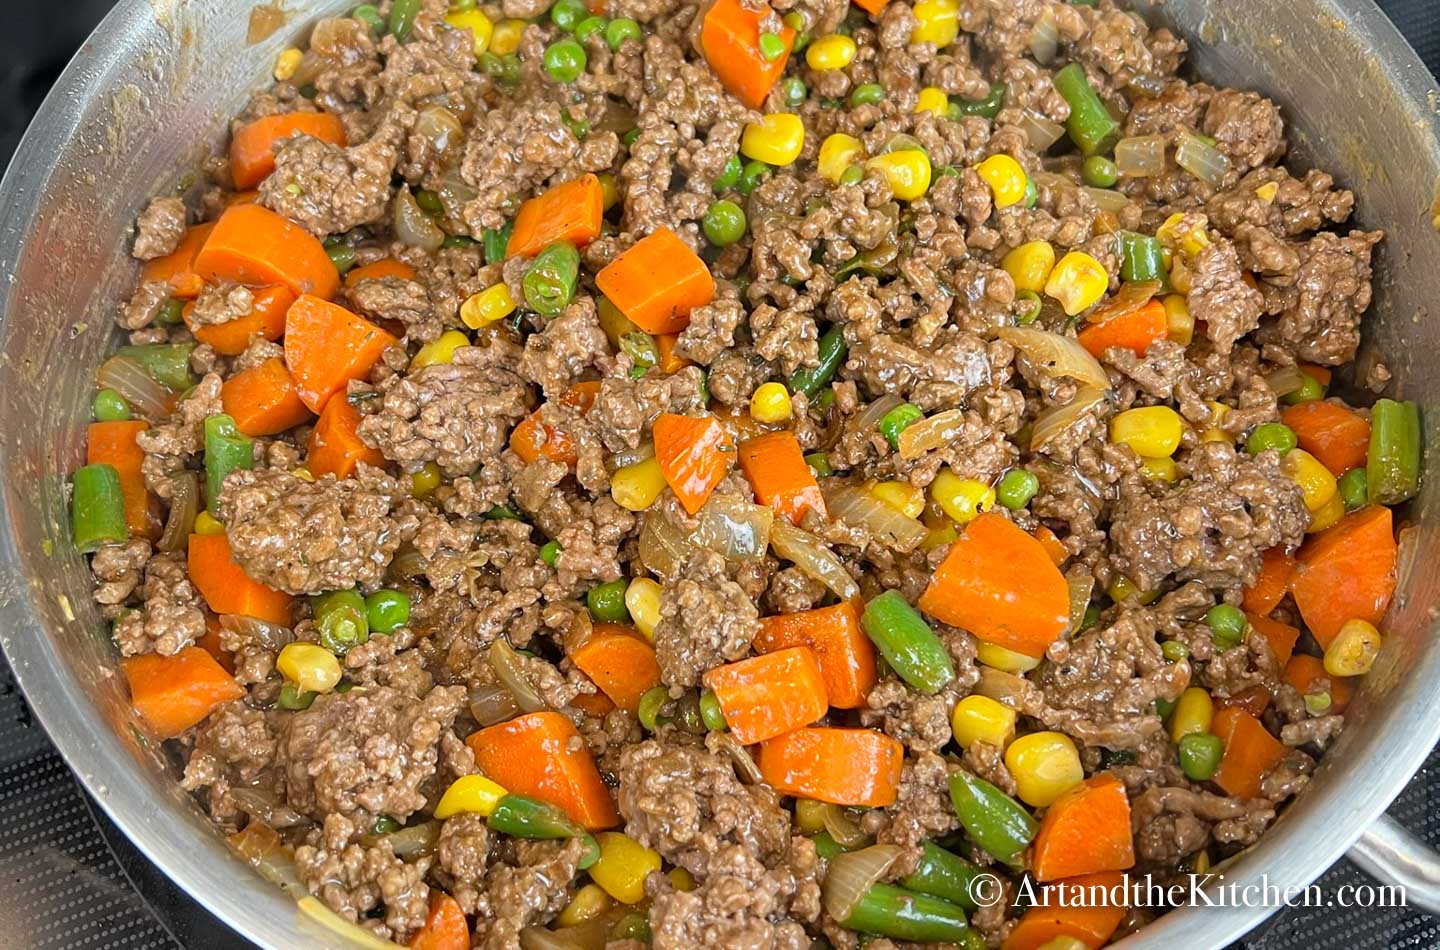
(144, 305)
(923, 810)
(1246, 127)
(1320, 319)
(159, 229)
(118, 569)
(921, 722)
(171, 615)
(221, 303)
(1173, 823)
(1229, 307)
(329, 189)
(397, 300)
(173, 444)
(236, 746)
(529, 884)
(706, 619)
(355, 879)
(626, 408)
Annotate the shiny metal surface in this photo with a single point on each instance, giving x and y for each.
(161, 75)
(1391, 853)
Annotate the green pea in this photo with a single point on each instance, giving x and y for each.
(385, 825)
(342, 256)
(1099, 172)
(550, 552)
(368, 14)
(899, 419)
(1311, 390)
(628, 139)
(711, 712)
(1271, 435)
(1354, 488)
(564, 60)
(1318, 704)
(1164, 707)
(724, 223)
(794, 89)
(751, 177)
(1027, 307)
(429, 201)
(1174, 650)
(1016, 488)
(110, 406)
(730, 175)
(607, 602)
(819, 463)
(567, 14)
(292, 698)
(588, 27)
(621, 30)
(172, 313)
(852, 175)
(651, 703)
(1227, 625)
(867, 94)
(772, 47)
(387, 610)
(1032, 194)
(460, 6)
(1200, 754)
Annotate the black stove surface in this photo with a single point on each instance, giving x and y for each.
(71, 881)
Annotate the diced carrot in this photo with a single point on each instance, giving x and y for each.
(1338, 437)
(252, 148)
(210, 643)
(1346, 573)
(1085, 830)
(776, 469)
(1134, 331)
(540, 754)
(178, 267)
(335, 447)
(694, 454)
(872, 7)
(570, 212)
(1304, 669)
(266, 319)
(173, 693)
(1052, 544)
(595, 704)
(445, 928)
(326, 346)
(242, 198)
(1252, 699)
(730, 41)
(841, 766)
(769, 695)
(113, 443)
(670, 361)
(226, 587)
(1280, 636)
(1073, 909)
(534, 437)
(658, 281)
(846, 655)
(619, 661)
(254, 245)
(1250, 752)
(1321, 374)
(262, 399)
(385, 267)
(1000, 584)
(1276, 568)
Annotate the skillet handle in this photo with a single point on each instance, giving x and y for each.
(1392, 855)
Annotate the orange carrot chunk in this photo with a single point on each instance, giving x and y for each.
(534, 437)
(1280, 636)
(113, 443)
(619, 661)
(595, 704)
(385, 267)
(670, 361)
(266, 319)
(173, 693)
(1134, 331)
(445, 928)
(1085, 830)
(1079, 908)
(657, 282)
(845, 654)
(872, 7)
(569, 212)
(541, 755)
(210, 643)
(776, 469)
(694, 455)
(1346, 572)
(226, 587)
(1250, 752)
(840, 766)
(252, 148)
(326, 346)
(999, 583)
(1052, 544)
(1336, 436)
(1303, 670)
(769, 695)
(335, 447)
(730, 41)
(262, 399)
(1276, 568)
(254, 245)
(178, 267)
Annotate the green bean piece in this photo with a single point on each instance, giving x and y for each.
(1091, 617)
(607, 602)
(1028, 305)
(621, 31)
(906, 641)
(1174, 650)
(520, 816)
(1091, 126)
(494, 240)
(867, 94)
(97, 508)
(293, 698)
(629, 138)
(989, 107)
(825, 400)
(652, 702)
(1016, 488)
(730, 175)
(794, 90)
(852, 175)
(172, 313)
(1199, 755)
(901, 914)
(342, 256)
(751, 177)
(1164, 707)
(1354, 489)
(402, 17)
(549, 284)
(642, 349)
(1277, 436)
(899, 419)
(819, 463)
(342, 619)
(565, 60)
(993, 820)
(1032, 193)
(1311, 390)
(832, 353)
(167, 363)
(458, 240)
(567, 14)
(1227, 625)
(1140, 257)
(550, 552)
(110, 406)
(387, 610)
(633, 926)
(385, 825)
(724, 223)
(827, 847)
(429, 201)
(502, 513)
(369, 14)
(711, 712)
(944, 875)
(591, 855)
(772, 47)
(588, 27)
(1099, 172)
(227, 449)
(1392, 470)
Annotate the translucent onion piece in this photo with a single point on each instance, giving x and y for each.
(1140, 156)
(1057, 355)
(410, 843)
(663, 547)
(1132, 297)
(184, 505)
(740, 757)
(264, 806)
(413, 226)
(1201, 159)
(591, 935)
(930, 433)
(343, 39)
(510, 671)
(1042, 132)
(265, 19)
(735, 529)
(312, 64)
(1106, 199)
(857, 507)
(272, 636)
(640, 453)
(259, 845)
(455, 194)
(845, 831)
(1082, 585)
(1006, 688)
(491, 704)
(851, 874)
(1057, 419)
(127, 377)
(868, 420)
(1045, 38)
(1285, 380)
(441, 129)
(816, 560)
(333, 922)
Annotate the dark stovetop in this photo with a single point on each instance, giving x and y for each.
(70, 880)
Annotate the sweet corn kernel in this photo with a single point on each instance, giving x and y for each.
(1192, 713)
(623, 866)
(1218, 411)
(1045, 766)
(477, 23)
(933, 100)
(304, 474)
(1314, 479)
(835, 51)
(1007, 661)
(588, 903)
(837, 153)
(775, 140)
(1152, 432)
(1006, 179)
(1201, 862)
(205, 523)
(1353, 650)
(1122, 589)
(1064, 942)
(939, 537)
(1268, 191)
(287, 64)
(981, 719)
(490, 305)
(1078, 281)
(938, 22)
(907, 172)
(810, 815)
(440, 350)
(902, 496)
(770, 403)
(1186, 232)
(642, 599)
(1160, 470)
(1180, 276)
(608, 193)
(1329, 513)
(470, 794)
(1030, 264)
(505, 39)
(425, 481)
(963, 499)
(1177, 316)
(635, 487)
(312, 668)
(681, 878)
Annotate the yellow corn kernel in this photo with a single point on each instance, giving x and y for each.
(304, 474)
(939, 537)
(1006, 179)
(902, 496)
(440, 350)
(477, 23)
(1180, 276)
(425, 481)
(1160, 470)
(1123, 588)
(312, 668)
(681, 878)
(837, 153)
(623, 866)
(1329, 513)
(1045, 766)
(608, 193)
(1007, 661)
(907, 172)
(642, 599)
(205, 523)
(1353, 650)
(1064, 942)
(1078, 281)
(635, 487)
(1177, 316)
(1201, 862)
(938, 22)
(1218, 411)
(1268, 191)
(770, 403)
(1192, 713)
(810, 815)
(287, 64)
(588, 903)
(963, 499)
(1030, 264)
(1186, 232)
(490, 305)
(932, 99)
(505, 39)
(1152, 432)
(835, 51)
(981, 719)
(471, 795)
(775, 140)
(1314, 479)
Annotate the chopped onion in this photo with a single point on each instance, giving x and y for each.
(1285, 380)
(343, 40)
(265, 19)
(868, 420)
(130, 379)
(510, 671)
(265, 806)
(413, 226)
(1045, 38)
(407, 564)
(1057, 419)
(438, 126)
(260, 846)
(1041, 132)
(845, 831)
(410, 843)
(184, 505)
(1201, 159)
(735, 529)
(1140, 156)
(1105, 199)
(455, 194)
(932, 432)
(272, 636)
(813, 558)
(1082, 585)
(663, 547)
(333, 922)
(1132, 296)
(642, 452)
(851, 874)
(1006, 688)
(492, 703)
(590, 935)
(1057, 355)
(740, 757)
(856, 506)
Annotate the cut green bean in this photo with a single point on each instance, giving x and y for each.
(227, 450)
(523, 817)
(97, 508)
(494, 240)
(899, 419)
(402, 17)
(549, 284)
(901, 914)
(989, 107)
(832, 353)
(167, 363)
(1140, 257)
(1091, 126)
(342, 618)
(944, 875)
(906, 641)
(993, 820)
(1392, 470)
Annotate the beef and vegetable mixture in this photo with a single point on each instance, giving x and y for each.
(726, 475)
